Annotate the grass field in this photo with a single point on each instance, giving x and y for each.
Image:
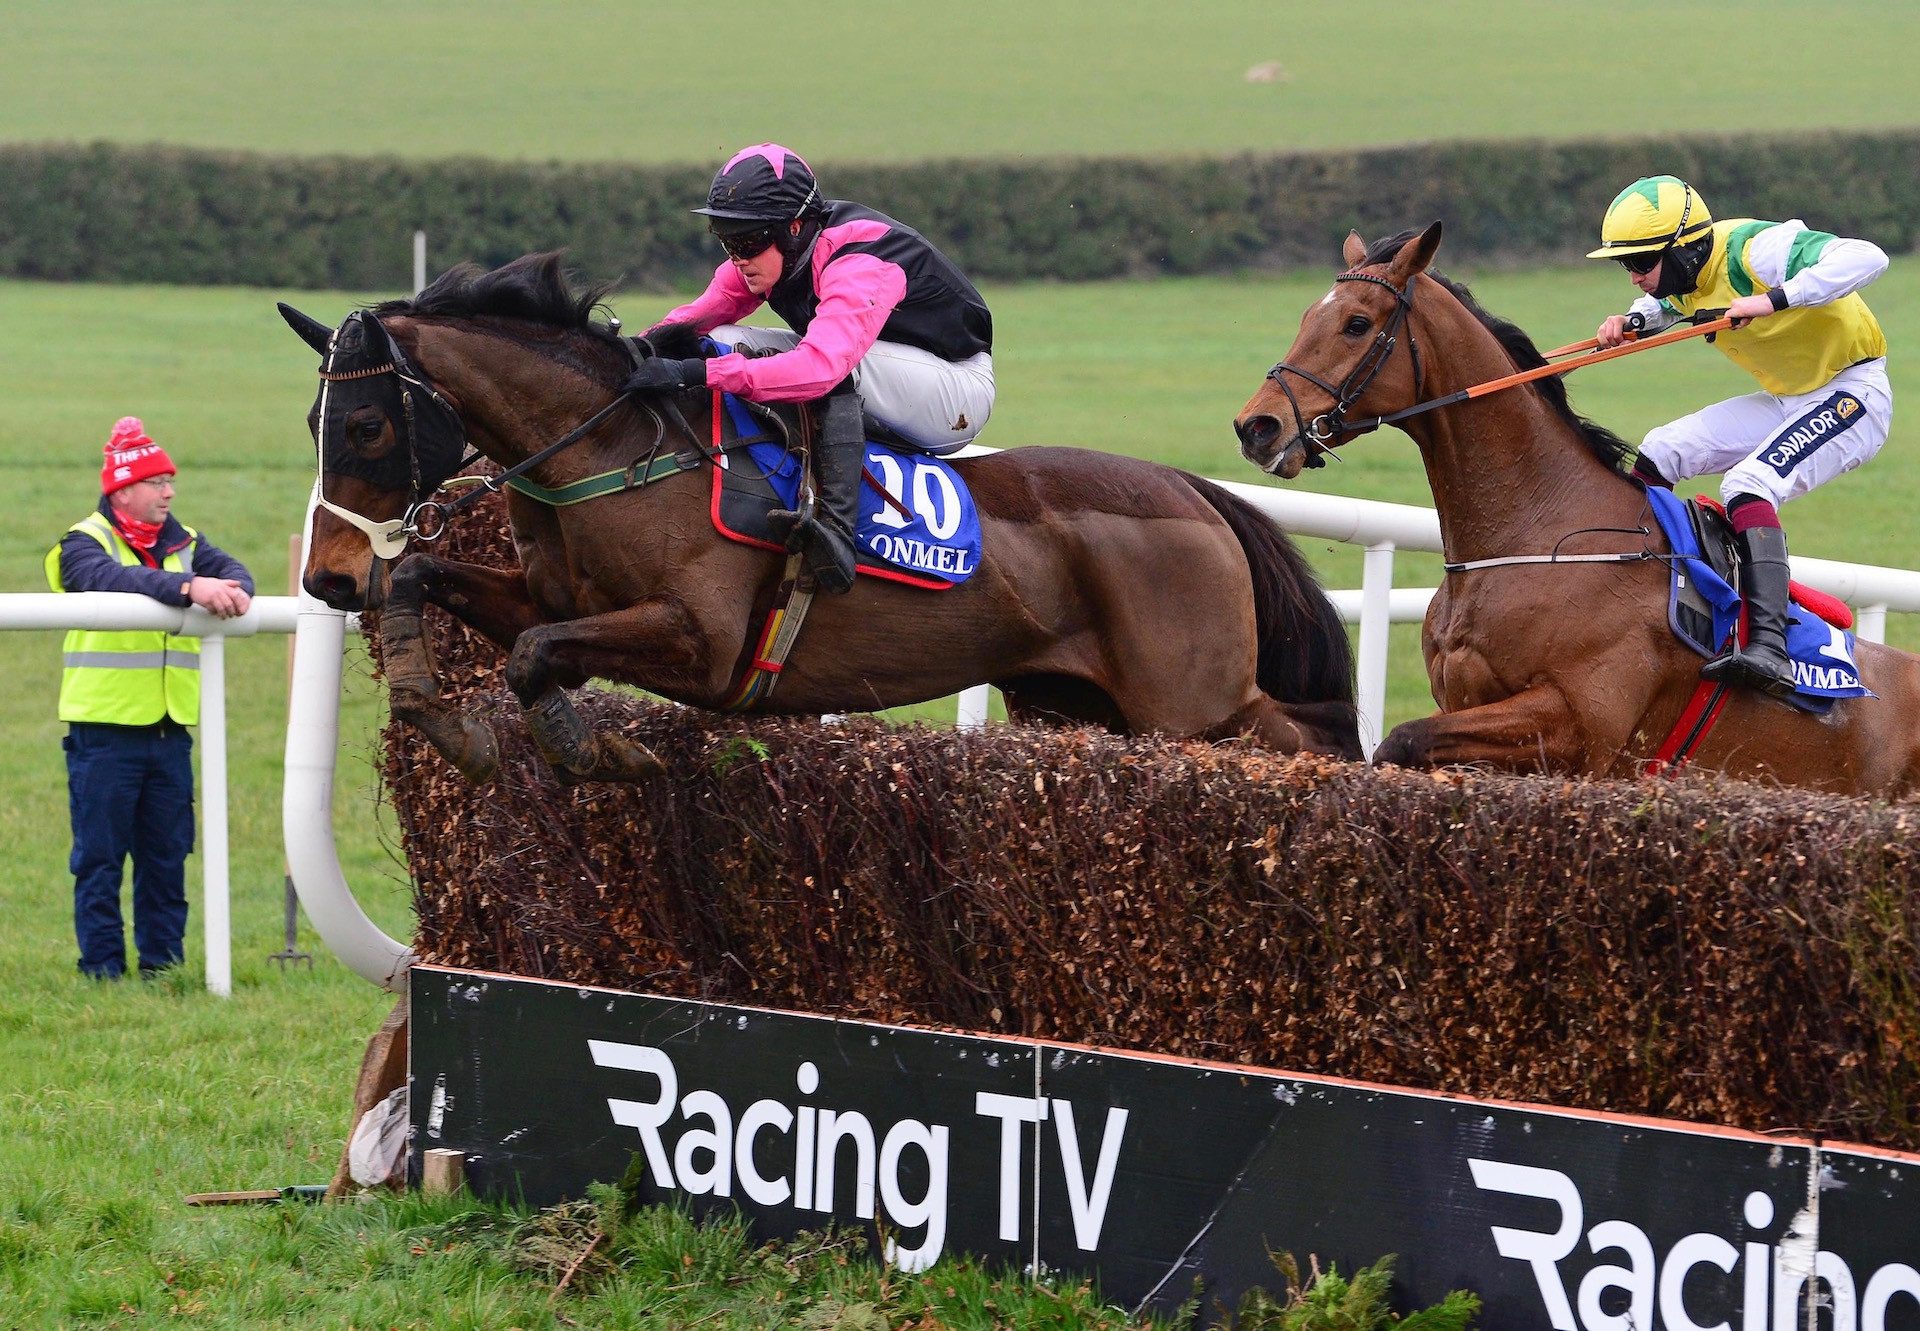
(117, 1100)
(856, 80)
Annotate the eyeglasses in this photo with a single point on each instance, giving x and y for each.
(749, 244)
(1642, 264)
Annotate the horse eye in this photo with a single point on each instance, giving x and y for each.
(1357, 325)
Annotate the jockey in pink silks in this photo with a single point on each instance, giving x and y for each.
(880, 321)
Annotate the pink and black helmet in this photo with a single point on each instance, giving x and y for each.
(764, 183)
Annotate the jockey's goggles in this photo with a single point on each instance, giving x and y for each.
(1642, 264)
(751, 244)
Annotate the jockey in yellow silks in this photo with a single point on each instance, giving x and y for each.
(1802, 331)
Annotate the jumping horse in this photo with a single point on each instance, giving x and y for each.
(1110, 591)
(1568, 666)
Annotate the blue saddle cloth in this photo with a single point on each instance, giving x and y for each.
(1823, 664)
(928, 536)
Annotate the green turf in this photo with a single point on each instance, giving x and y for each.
(118, 1099)
(861, 80)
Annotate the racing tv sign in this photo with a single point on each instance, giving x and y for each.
(1157, 1176)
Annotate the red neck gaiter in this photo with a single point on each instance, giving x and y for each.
(140, 535)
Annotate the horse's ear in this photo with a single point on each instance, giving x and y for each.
(314, 333)
(1354, 250)
(1416, 254)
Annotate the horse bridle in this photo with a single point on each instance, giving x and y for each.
(1328, 424)
(389, 538)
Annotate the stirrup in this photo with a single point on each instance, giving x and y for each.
(1738, 667)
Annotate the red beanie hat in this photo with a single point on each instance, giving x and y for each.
(131, 456)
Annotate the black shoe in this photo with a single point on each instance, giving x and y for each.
(1762, 664)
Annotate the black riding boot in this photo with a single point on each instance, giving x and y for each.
(839, 458)
(1762, 663)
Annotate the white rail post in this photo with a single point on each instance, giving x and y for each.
(1376, 605)
(1870, 623)
(419, 262)
(972, 713)
(216, 909)
(306, 804)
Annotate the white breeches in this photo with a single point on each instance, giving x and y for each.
(1780, 447)
(937, 405)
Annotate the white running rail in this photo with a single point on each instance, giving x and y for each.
(313, 719)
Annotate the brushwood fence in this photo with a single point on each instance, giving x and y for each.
(1693, 948)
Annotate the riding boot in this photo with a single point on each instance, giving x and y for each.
(1762, 663)
(839, 458)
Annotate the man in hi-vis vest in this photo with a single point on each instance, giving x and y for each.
(128, 698)
(1801, 329)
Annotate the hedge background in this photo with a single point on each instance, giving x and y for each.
(99, 212)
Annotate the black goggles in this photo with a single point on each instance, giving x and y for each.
(1642, 264)
(750, 244)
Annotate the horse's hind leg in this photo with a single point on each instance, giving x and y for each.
(660, 632)
(1312, 727)
(495, 603)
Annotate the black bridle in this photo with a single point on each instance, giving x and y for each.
(1328, 424)
(446, 432)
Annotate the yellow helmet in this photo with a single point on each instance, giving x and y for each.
(1651, 215)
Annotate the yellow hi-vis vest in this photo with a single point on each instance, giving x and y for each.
(1797, 349)
(128, 677)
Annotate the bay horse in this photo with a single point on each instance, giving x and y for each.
(1567, 668)
(1110, 591)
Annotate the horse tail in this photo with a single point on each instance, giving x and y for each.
(1304, 655)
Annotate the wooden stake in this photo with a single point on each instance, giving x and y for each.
(443, 1172)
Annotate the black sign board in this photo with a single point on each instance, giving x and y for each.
(1157, 1175)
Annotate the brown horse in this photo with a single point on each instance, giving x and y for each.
(1110, 591)
(1568, 668)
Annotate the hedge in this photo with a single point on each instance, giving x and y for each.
(1695, 948)
(100, 212)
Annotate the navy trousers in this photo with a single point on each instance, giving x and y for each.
(130, 793)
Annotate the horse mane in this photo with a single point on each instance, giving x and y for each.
(534, 288)
(1603, 443)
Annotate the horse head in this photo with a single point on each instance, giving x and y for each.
(385, 438)
(1346, 363)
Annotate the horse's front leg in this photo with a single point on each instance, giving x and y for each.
(1532, 731)
(495, 603)
(659, 632)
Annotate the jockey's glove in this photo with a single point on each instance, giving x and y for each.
(664, 376)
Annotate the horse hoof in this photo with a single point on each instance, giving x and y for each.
(1401, 748)
(479, 756)
(629, 760)
(616, 758)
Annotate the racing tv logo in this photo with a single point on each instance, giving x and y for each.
(1770, 1277)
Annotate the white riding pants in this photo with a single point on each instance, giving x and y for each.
(937, 405)
(1780, 447)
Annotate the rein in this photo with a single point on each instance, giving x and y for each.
(1323, 428)
(486, 485)
(390, 537)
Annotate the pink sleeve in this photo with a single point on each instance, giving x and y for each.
(725, 301)
(857, 294)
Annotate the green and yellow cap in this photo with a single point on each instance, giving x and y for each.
(1653, 213)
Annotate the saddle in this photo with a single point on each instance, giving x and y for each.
(918, 525)
(1704, 608)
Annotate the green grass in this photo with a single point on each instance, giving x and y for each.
(117, 1100)
(860, 80)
